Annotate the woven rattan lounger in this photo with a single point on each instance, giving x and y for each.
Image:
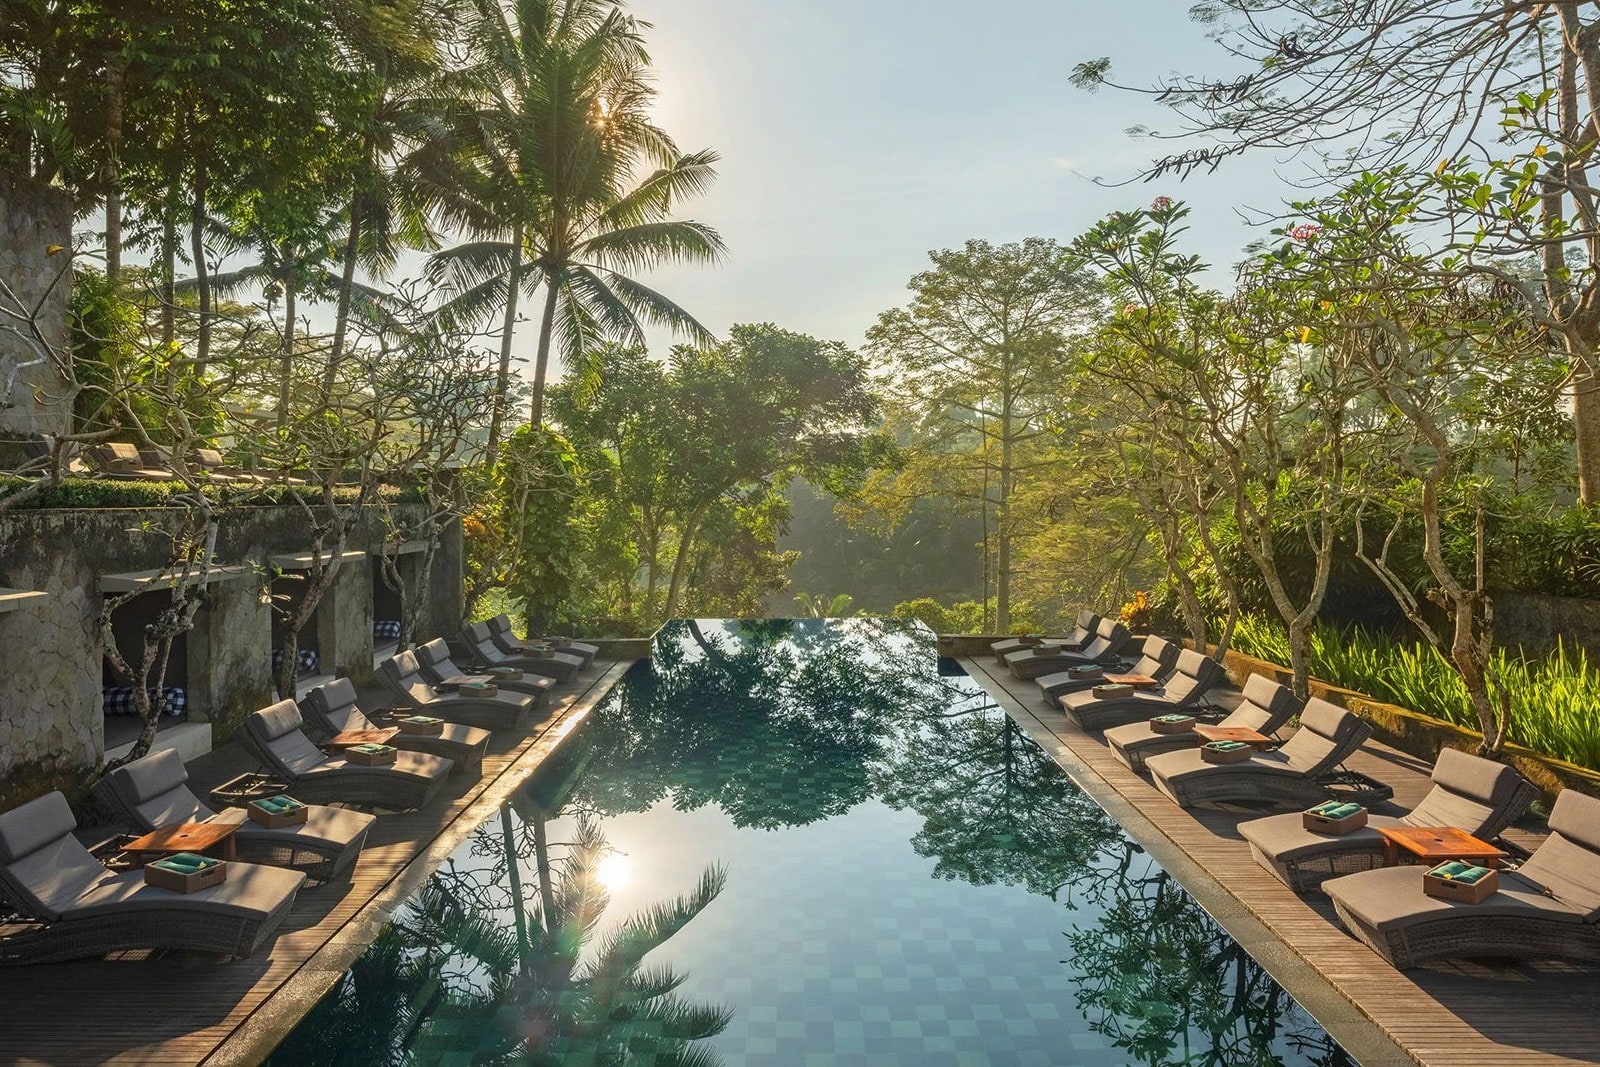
(1196, 675)
(502, 711)
(1110, 638)
(1158, 659)
(1266, 707)
(433, 660)
(82, 909)
(1549, 908)
(1297, 773)
(331, 709)
(1470, 793)
(1082, 634)
(479, 643)
(277, 735)
(507, 641)
(153, 792)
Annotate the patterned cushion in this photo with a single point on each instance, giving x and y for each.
(118, 700)
(386, 629)
(305, 659)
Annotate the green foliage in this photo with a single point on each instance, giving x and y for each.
(126, 493)
(1555, 700)
(965, 616)
(538, 484)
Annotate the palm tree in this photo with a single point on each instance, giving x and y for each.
(552, 132)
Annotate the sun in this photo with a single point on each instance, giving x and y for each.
(612, 872)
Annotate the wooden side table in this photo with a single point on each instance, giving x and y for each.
(1234, 733)
(1138, 681)
(1436, 844)
(215, 838)
(351, 738)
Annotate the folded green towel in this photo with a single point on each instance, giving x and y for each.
(1458, 871)
(1173, 718)
(370, 749)
(1336, 809)
(1226, 746)
(421, 720)
(186, 863)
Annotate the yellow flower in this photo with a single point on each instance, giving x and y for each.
(1305, 334)
(1539, 153)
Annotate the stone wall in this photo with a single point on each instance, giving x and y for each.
(51, 726)
(1538, 623)
(32, 220)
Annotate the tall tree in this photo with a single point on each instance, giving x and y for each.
(1424, 83)
(552, 132)
(979, 356)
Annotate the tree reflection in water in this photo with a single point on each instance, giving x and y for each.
(473, 971)
(782, 724)
(1153, 972)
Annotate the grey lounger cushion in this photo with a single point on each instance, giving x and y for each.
(332, 706)
(1327, 736)
(277, 735)
(154, 792)
(51, 877)
(1265, 708)
(503, 711)
(435, 664)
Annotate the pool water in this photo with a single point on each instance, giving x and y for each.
(803, 842)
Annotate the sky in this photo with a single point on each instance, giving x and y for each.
(858, 135)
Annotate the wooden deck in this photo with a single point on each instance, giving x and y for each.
(1460, 1013)
(174, 1011)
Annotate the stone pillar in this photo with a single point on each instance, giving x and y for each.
(34, 219)
(344, 622)
(230, 673)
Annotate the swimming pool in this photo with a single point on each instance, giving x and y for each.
(797, 842)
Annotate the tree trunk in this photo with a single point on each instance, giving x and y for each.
(1002, 577)
(111, 173)
(685, 542)
(202, 270)
(502, 384)
(347, 280)
(286, 357)
(1586, 410)
(547, 889)
(169, 264)
(519, 905)
(541, 364)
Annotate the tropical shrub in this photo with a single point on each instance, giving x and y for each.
(1555, 699)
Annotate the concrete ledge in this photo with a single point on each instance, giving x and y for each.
(192, 740)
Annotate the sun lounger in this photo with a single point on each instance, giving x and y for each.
(276, 734)
(331, 709)
(507, 641)
(121, 459)
(1266, 707)
(480, 645)
(153, 792)
(1081, 635)
(1158, 659)
(1296, 773)
(83, 909)
(1110, 638)
(433, 659)
(1549, 908)
(1470, 793)
(502, 711)
(1186, 688)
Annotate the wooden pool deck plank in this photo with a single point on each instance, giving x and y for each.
(1512, 1014)
(190, 1011)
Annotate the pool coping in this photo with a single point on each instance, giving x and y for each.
(1356, 1033)
(254, 1038)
